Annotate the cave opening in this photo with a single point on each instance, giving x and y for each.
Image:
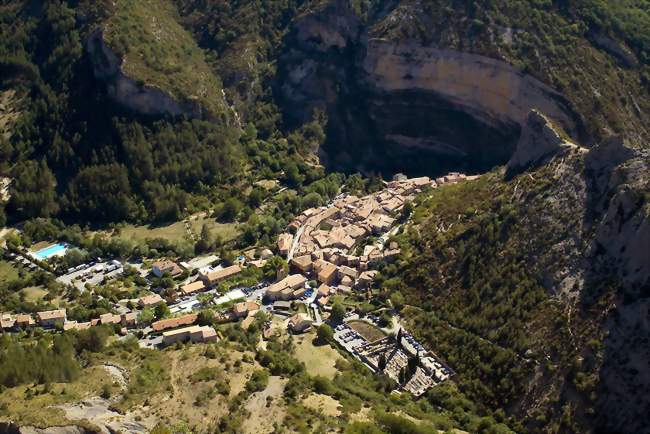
(415, 133)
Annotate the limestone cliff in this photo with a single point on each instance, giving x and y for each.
(401, 105)
(539, 141)
(619, 186)
(127, 93)
(492, 91)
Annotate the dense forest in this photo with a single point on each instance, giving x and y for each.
(77, 156)
(73, 154)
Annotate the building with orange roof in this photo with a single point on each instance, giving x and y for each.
(191, 288)
(51, 318)
(245, 308)
(109, 318)
(150, 300)
(24, 320)
(160, 268)
(172, 323)
(194, 334)
(300, 323)
(303, 264)
(213, 277)
(284, 243)
(328, 273)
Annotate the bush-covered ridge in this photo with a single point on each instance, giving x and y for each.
(158, 52)
(510, 291)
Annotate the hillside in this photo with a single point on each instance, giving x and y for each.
(390, 95)
(534, 287)
(595, 53)
(140, 131)
(426, 87)
(157, 52)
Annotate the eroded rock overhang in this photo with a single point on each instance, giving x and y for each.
(400, 106)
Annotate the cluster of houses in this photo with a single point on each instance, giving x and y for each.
(45, 319)
(169, 327)
(327, 243)
(173, 330)
(58, 318)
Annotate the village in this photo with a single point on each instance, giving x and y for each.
(331, 251)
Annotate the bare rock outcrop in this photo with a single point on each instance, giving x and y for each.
(399, 106)
(491, 90)
(128, 93)
(539, 141)
(10, 428)
(619, 185)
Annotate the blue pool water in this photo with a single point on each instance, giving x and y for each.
(50, 251)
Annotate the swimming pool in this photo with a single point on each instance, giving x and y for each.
(53, 250)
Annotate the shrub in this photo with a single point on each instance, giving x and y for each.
(258, 381)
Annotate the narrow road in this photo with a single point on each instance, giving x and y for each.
(318, 320)
(294, 245)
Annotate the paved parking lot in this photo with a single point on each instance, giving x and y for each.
(92, 275)
(202, 261)
(151, 342)
(348, 338)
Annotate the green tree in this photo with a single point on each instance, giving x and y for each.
(273, 266)
(292, 174)
(161, 428)
(162, 310)
(146, 316)
(312, 200)
(258, 381)
(205, 241)
(324, 334)
(407, 210)
(363, 428)
(206, 317)
(397, 300)
(204, 299)
(255, 198)
(102, 193)
(229, 210)
(338, 312)
(33, 191)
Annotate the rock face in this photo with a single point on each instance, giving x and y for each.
(538, 142)
(619, 184)
(492, 91)
(395, 106)
(127, 93)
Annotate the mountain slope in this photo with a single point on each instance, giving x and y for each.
(156, 51)
(524, 287)
(429, 87)
(112, 141)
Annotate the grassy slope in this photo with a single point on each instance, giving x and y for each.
(7, 272)
(484, 268)
(34, 404)
(160, 53)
